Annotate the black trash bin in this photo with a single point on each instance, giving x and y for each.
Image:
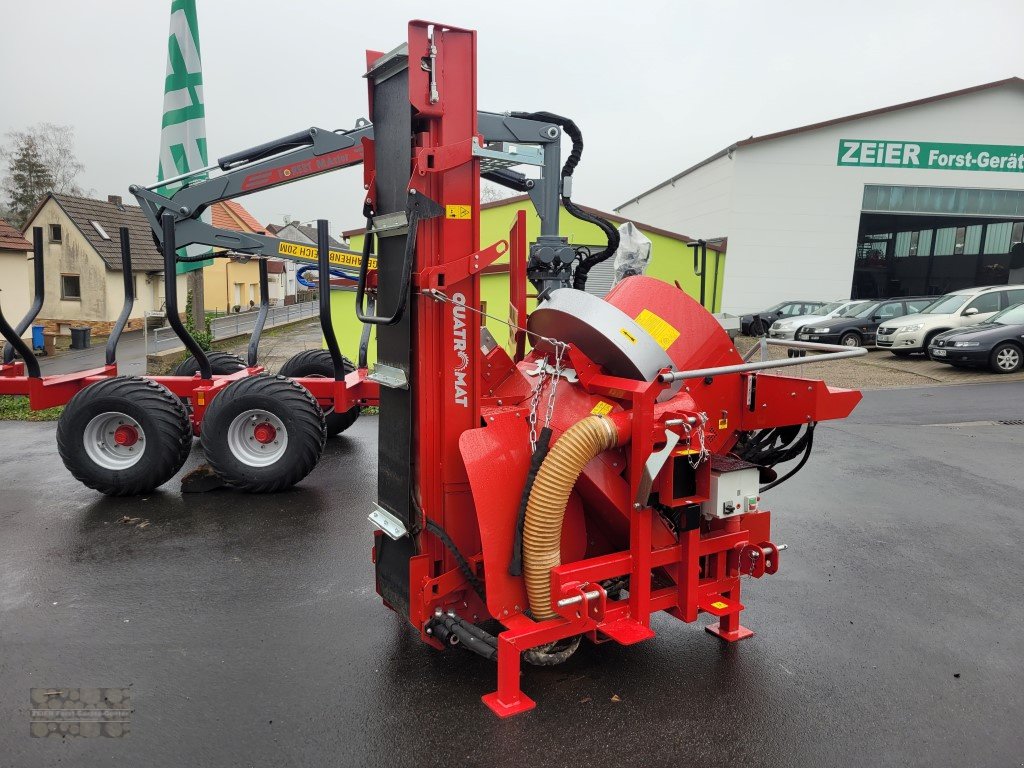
(81, 337)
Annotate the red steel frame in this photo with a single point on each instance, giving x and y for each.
(50, 391)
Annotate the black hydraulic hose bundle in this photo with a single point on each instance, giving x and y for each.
(463, 563)
(809, 441)
(515, 567)
(769, 447)
(571, 130)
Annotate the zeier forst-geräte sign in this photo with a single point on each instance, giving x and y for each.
(931, 155)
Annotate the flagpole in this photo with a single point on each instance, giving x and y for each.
(183, 153)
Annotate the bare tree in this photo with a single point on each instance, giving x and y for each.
(40, 159)
(490, 192)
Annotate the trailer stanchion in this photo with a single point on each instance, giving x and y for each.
(39, 294)
(261, 318)
(171, 297)
(129, 298)
(323, 261)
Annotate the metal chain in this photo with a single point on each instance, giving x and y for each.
(560, 348)
(559, 351)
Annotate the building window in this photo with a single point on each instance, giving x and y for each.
(56, 235)
(99, 229)
(944, 241)
(997, 238)
(972, 243)
(70, 287)
(943, 201)
(958, 242)
(915, 241)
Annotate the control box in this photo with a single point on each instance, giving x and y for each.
(735, 488)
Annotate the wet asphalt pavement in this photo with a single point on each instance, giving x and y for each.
(249, 632)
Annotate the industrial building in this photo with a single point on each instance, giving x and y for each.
(917, 198)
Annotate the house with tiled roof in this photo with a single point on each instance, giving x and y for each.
(15, 267)
(232, 284)
(82, 262)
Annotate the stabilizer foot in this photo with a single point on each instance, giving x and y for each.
(506, 709)
(730, 636)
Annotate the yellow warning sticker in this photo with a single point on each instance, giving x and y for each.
(629, 336)
(658, 327)
(308, 253)
(602, 408)
(718, 605)
(458, 211)
(723, 423)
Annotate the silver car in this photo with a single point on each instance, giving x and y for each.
(786, 327)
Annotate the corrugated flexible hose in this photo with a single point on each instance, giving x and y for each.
(545, 510)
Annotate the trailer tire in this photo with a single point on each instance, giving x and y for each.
(101, 426)
(221, 363)
(317, 363)
(263, 434)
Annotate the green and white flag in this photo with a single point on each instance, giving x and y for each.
(183, 130)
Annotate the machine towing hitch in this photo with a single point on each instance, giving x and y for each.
(606, 463)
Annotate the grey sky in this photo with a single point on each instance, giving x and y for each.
(655, 86)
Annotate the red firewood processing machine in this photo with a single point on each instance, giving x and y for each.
(606, 463)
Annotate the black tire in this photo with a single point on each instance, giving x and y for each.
(278, 404)
(851, 339)
(317, 363)
(1007, 358)
(161, 424)
(221, 363)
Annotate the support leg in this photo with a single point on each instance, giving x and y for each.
(508, 699)
(728, 627)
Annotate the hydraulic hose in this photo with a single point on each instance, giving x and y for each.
(545, 510)
(579, 280)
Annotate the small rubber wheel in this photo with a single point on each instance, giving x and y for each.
(221, 363)
(124, 436)
(1007, 358)
(317, 364)
(850, 339)
(263, 434)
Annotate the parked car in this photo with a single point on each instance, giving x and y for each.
(758, 323)
(998, 343)
(786, 328)
(969, 306)
(858, 328)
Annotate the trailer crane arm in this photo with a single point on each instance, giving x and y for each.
(507, 140)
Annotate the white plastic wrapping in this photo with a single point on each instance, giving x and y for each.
(633, 254)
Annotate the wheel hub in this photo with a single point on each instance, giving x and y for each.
(114, 440)
(257, 438)
(264, 433)
(126, 435)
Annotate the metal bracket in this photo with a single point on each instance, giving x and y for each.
(654, 464)
(387, 523)
(389, 376)
(390, 224)
(505, 154)
(569, 374)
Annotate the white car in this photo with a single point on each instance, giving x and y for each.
(786, 328)
(969, 306)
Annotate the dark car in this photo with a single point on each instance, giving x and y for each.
(758, 323)
(858, 329)
(998, 343)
